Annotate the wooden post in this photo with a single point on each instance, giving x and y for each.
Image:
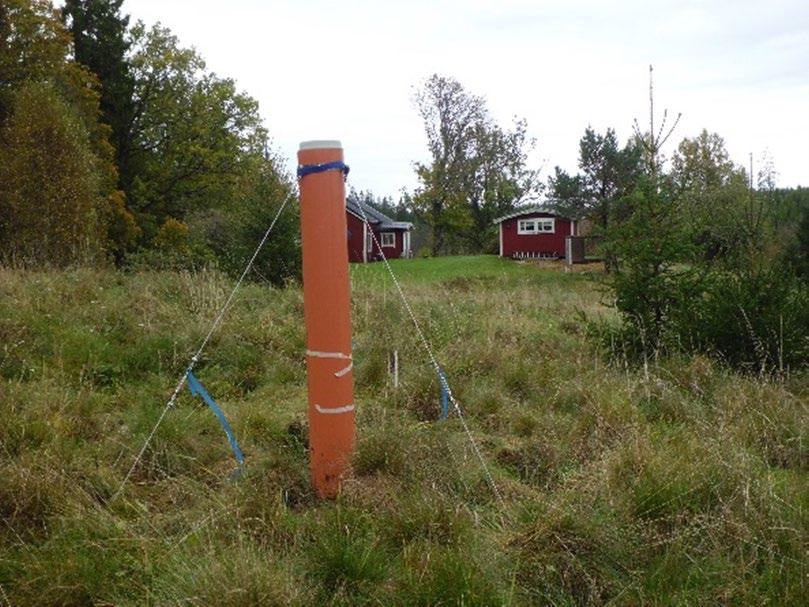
(327, 311)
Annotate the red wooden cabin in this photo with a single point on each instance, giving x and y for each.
(535, 233)
(392, 236)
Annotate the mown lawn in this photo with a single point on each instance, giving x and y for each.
(445, 268)
(681, 483)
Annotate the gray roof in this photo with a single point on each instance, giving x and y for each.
(377, 218)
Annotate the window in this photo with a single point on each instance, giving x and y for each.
(388, 239)
(526, 226)
(543, 225)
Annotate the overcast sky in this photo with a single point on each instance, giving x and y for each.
(346, 70)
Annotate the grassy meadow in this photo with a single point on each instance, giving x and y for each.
(681, 483)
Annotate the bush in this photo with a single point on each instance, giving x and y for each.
(50, 192)
(748, 312)
(757, 323)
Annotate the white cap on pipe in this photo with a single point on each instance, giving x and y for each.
(319, 144)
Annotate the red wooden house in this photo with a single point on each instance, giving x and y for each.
(392, 236)
(535, 233)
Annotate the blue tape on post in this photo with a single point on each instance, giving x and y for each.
(197, 388)
(310, 169)
(442, 380)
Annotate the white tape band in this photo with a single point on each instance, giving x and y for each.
(335, 410)
(337, 355)
(344, 372)
(333, 355)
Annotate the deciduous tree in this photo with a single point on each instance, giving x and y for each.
(711, 190)
(192, 134)
(50, 197)
(450, 115)
(35, 50)
(33, 46)
(476, 170)
(496, 179)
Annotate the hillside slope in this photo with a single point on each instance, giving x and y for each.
(681, 483)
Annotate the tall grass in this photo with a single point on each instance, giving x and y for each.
(683, 483)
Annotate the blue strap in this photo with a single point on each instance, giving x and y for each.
(309, 169)
(442, 380)
(197, 388)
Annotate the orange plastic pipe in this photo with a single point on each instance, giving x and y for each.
(326, 302)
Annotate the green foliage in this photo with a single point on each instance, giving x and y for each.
(653, 252)
(757, 321)
(797, 253)
(172, 236)
(192, 134)
(789, 206)
(34, 46)
(199, 156)
(714, 196)
(699, 269)
(49, 187)
(35, 53)
(232, 233)
(702, 163)
(497, 179)
(476, 172)
(130, 108)
(608, 173)
(100, 43)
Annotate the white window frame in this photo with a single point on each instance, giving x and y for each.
(538, 225)
(387, 242)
